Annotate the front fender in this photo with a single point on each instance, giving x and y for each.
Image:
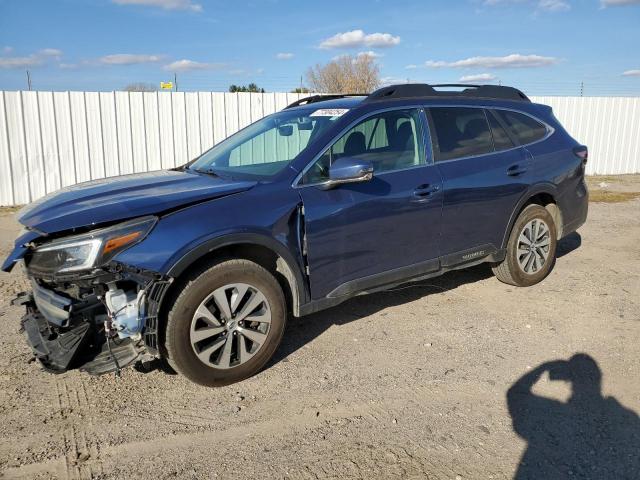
(268, 217)
(295, 276)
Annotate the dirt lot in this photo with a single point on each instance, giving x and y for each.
(411, 383)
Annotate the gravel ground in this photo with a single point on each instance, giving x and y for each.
(447, 379)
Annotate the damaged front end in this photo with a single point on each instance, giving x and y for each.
(86, 310)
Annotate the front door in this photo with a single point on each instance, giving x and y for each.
(362, 234)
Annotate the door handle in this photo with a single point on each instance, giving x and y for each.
(422, 193)
(515, 170)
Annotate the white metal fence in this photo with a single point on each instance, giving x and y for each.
(49, 140)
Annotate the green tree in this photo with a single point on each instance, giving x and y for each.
(252, 88)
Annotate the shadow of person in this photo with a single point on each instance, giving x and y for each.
(588, 437)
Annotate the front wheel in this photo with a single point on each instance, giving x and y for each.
(226, 324)
(531, 248)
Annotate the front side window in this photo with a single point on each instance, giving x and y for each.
(523, 127)
(266, 147)
(390, 141)
(459, 132)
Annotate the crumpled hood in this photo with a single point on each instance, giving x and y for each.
(120, 198)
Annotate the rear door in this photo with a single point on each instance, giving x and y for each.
(362, 234)
(484, 173)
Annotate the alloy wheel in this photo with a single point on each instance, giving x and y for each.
(534, 243)
(230, 326)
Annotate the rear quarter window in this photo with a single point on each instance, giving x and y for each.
(501, 139)
(459, 132)
(522, 127)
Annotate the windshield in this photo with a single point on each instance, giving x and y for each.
(266, 147)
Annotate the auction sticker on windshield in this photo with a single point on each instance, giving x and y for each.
(329, 112)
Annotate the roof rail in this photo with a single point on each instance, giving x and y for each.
(412, 90)
(322, 98)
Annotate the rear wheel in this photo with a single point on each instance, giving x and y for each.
(226, 324)
(531, 248)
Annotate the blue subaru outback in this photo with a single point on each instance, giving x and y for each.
(335, 196)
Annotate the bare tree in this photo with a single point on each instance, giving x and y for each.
(140, 87)
(345, 74)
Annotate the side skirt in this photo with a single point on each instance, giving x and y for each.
(412, 273)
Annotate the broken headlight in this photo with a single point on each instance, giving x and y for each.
(82, 252)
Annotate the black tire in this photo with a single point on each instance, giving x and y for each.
(179, 349)
(509, 270)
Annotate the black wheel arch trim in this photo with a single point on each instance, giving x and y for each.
(532, 191)
(299, 291)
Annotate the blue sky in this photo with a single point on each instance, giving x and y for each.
(541, 46)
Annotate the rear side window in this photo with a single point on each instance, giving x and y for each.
(501, 139)
(459, 132)
(522, 127)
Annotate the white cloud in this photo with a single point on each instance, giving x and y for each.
(515, 60)
(547, 5)
(386, 81)
(128, 59)
(50, 52)
(33, 60)
(190, 65)
(631, 73)
(618, 3)
(411, 66)
(481, 77)
(20, 62)
(164, 4)
(7, 49)
(554, 5)
(493, 3)
(370, 54)
(284, 56)
(357, 38)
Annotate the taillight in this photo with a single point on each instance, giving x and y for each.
(581, 152)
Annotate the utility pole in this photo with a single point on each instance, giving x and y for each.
(29, 80)
(581, 89)
(175, 81)
(301, 84)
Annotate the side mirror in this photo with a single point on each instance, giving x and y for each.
(349, 170)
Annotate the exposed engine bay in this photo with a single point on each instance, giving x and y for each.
(99, 322)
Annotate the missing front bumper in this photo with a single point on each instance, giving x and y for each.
(56, 351)
(82, 345)
(66, 329)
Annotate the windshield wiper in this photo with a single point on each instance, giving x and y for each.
(208, 171)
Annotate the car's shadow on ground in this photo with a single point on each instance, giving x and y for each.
(568, 244)
(301, 331)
